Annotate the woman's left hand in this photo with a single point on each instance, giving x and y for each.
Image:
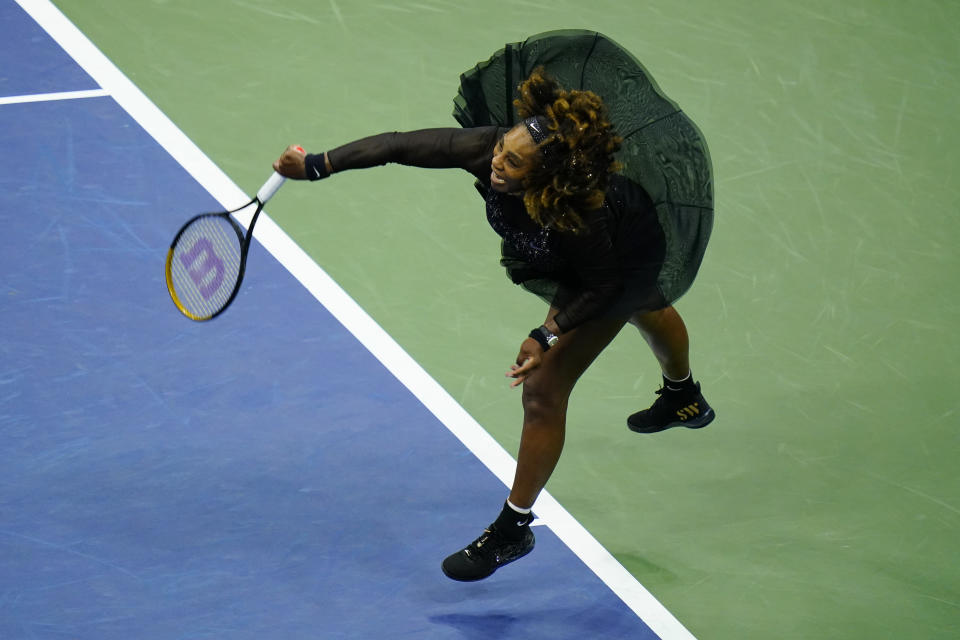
(529, 358)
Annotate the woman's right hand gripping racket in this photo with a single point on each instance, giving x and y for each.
(207, 258)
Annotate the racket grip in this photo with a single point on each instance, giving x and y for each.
(270, 187)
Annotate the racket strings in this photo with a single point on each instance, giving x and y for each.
(204, 265)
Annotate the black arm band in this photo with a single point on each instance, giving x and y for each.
(316, 165)
(537, 335)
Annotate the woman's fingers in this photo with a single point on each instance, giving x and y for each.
(528, 359)
(291, 162)
(520, 372)
(518, 369)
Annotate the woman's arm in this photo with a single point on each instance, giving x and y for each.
(625, 244)
(601, 279)
(600, 290)
(468, 149)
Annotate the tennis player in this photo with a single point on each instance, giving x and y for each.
(606, 221)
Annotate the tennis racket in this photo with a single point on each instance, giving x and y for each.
(208, 256)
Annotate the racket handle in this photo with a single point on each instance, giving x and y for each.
(270, 187)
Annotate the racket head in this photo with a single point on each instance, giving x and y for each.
(205, 264)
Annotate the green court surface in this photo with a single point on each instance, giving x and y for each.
(824, 501)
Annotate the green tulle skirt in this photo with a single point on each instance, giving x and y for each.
(662, 151)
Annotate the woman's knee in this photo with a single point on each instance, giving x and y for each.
(541, 398)
(649, 320)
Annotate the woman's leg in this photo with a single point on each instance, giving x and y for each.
(680, 403)
(666, 334)
(546, 393)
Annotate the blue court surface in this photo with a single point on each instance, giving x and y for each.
(259, 476)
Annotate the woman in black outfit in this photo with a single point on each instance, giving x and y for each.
(572, 202)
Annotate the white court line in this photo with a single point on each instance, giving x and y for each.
(354, 318)
(46, 97)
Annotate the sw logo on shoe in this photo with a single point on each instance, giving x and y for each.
(673, 409)
(689, 411)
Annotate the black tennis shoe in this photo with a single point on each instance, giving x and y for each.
(681, 408)
(486, 554)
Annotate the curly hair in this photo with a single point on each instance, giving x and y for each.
(576, 158)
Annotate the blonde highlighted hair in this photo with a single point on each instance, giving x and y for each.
(576, 158)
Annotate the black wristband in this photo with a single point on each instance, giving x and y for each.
(537, 335)
(316, 166)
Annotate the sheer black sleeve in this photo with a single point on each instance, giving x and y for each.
(622, 249)
(598, 270)
(468, 149)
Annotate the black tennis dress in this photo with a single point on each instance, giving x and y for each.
(642, 249)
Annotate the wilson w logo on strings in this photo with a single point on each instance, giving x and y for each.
(204, 267)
